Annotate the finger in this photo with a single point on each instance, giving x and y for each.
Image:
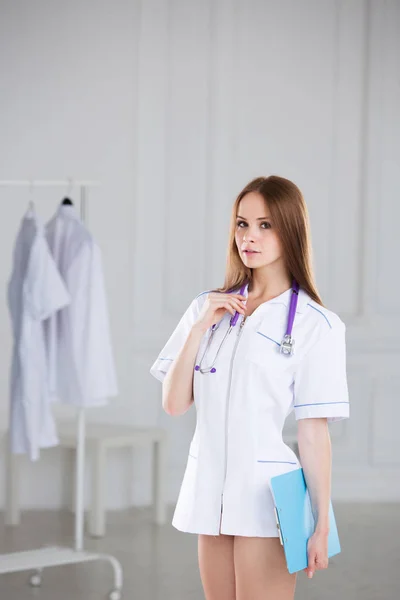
(233, 306)
(310, 571)
(238, 305)
(311, 564)
(236, 299)
(220, 303)
(228, 307)
(321, 563)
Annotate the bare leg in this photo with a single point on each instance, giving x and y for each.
(260, 570)
(216, 566)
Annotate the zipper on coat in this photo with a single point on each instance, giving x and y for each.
(226, 414)
(222, 508)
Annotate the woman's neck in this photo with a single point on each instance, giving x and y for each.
(267, 287)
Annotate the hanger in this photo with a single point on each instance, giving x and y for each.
(67, 201)
(31, 204)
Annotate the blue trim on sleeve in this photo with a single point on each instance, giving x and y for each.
(320, 311)
(268, 338)
(165, 359)
(320, 404)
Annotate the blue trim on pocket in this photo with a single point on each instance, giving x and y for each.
(308, 304)
(268, 338)
(288, 462)
(319, 404)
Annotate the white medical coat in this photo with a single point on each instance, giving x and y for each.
(81, 363)
(241, 409)
(35, 291)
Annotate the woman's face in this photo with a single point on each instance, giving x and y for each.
(256, 231)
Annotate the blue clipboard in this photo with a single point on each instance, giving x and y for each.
(295, 520)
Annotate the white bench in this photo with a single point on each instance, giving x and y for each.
(99, 439)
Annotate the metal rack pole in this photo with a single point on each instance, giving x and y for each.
(80, 436)
(41, 558)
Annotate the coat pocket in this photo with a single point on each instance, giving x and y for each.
(264, 350)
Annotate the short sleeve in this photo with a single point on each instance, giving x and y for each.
(320, 386)
(171, 349)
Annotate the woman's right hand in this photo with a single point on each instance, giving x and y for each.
(216, 305)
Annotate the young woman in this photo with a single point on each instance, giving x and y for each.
(244, 386)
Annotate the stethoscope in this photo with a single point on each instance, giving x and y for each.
(286, 346)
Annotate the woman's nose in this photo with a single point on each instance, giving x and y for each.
(249, 236)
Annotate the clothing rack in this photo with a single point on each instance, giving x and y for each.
(41, 558)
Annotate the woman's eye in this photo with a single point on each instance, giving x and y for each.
(239, 223)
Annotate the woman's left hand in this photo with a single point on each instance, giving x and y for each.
(317, 550)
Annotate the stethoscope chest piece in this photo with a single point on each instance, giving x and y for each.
(287, 345)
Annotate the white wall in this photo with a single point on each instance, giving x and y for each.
(67, 108)
(175, 105)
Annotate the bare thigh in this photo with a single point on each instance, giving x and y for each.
(216, 565)
(260, 570)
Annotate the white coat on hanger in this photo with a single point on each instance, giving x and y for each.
(82, 370)
(35, 291)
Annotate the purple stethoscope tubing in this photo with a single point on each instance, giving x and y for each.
(287, 344)
(232, 323)
(292, 307)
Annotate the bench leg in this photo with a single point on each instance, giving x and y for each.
(97, 500)
(13, 515)
(159, 482)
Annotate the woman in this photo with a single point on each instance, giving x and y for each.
(243, 397)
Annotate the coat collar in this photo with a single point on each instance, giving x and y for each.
(284, 299)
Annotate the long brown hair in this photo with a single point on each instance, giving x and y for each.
(290, 216)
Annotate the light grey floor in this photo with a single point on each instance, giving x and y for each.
(160, 563)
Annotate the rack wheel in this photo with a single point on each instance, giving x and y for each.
(115, 595)
(35, 580)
